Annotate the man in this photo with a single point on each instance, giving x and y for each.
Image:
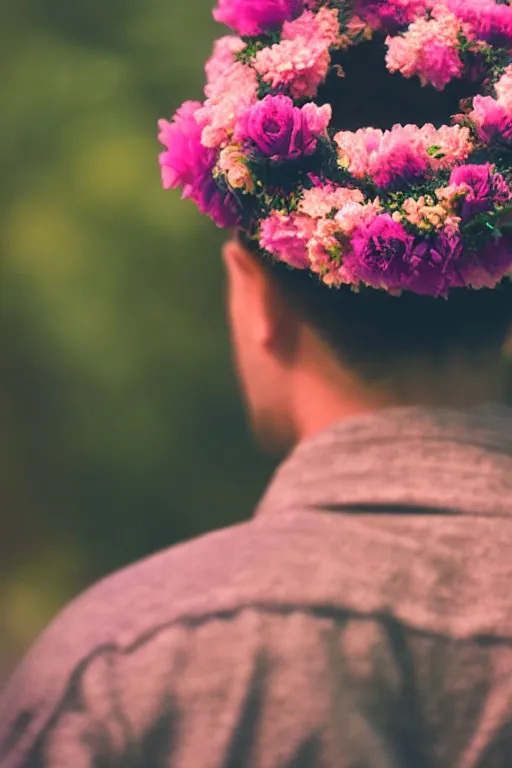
(363, 617)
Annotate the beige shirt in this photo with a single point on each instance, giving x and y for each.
(362, 619)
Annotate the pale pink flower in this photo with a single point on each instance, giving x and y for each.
(430, 48)
(318, 202)
(324, 25)
(233, 163)
(299, 65)
(504, 89)
(317, 118)
(352, 215)
(454, 144)
(300, 62)
(223, 56)
(355, 148)
(228, 96)
(451, 225)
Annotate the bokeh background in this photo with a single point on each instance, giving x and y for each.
(122, 430)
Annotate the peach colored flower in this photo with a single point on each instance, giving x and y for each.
(324, 252)
(233, 163)
(320, 201)
(426, 214)
(450, 195)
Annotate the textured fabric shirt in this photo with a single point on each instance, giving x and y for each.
(361, 619)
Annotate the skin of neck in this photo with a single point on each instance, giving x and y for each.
(324, 391)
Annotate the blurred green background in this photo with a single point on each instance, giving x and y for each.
(122, 428)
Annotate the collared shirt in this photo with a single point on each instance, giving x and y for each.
(361, 619)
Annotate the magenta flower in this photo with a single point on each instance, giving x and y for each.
(486, 189)
(381, 254)
(188, 164)
(280, 130)
(487, 267)
(435, 265)
(252, 17)
(391, 15)
(385, 256)
(492, 120)
(488, 20)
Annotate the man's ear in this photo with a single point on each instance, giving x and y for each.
(253, 293)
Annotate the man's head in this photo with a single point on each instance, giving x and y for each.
(307, 353)
(417, 208)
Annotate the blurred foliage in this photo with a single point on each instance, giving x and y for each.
(122, 428)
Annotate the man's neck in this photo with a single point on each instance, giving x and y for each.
(330, 394)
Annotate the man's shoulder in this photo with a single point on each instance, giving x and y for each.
(161, 588)
(182, 582)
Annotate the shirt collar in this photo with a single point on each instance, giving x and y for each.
(454, 462)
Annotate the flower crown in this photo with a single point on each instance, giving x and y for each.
(414, 208)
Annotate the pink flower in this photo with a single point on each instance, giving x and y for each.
(453, 145)
(223, 57)
(296, 64)
(286, 238)
(228, 96)
(429, 49)
(400, 159)
(355, 149)
(280, 130)
(487, 20)
(486, 189)
(233, 164)
(504, 90)
(318, 202)
(324, 25)
(252, 17)
(300, 62)
(488, 266)
(324, 252)
(353, 215)
(188, 164)
(435, 265)
(491, 119)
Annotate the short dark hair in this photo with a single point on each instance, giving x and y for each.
(370, 329)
